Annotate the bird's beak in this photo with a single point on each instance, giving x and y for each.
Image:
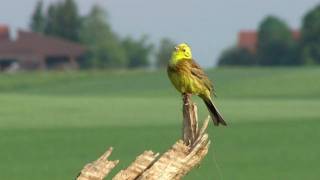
(176, 48)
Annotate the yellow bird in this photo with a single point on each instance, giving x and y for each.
(188, 77)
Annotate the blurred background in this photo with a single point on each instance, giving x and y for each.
(77, 77)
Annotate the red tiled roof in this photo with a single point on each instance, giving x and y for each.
(35, 44)
(247, 40)
(4, 33)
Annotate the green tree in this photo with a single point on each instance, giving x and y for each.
(237, 57)
(63, 20)
(164, 51)
(275, 42)
(52, 26)
(38, 20)
(105, 50)
(138, 51)
(310, 42)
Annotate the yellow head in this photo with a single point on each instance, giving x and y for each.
(181, 52)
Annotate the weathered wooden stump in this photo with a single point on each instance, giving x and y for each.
(183, 156)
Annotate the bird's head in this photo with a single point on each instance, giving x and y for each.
(181, 52)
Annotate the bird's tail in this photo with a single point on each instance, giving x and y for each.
(215, 115)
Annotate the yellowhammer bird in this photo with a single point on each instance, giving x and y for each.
(188, 77)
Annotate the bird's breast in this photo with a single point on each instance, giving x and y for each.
(183, 80)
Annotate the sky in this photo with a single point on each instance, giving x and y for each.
(208, 26)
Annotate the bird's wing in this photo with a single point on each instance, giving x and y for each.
(197, 71)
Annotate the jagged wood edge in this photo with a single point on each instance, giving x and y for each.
(173, 165)
(142, 162)
(98, 169)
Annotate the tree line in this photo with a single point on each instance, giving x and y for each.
(106, 49)
(276, 45)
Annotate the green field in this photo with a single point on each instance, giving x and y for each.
(52, 124)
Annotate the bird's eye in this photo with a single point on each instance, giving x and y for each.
(184, 50)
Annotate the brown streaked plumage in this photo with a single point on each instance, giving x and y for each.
(188, 77)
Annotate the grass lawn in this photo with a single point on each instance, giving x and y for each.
(52, 124)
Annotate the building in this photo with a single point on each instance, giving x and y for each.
(249, 39)
(35, 51)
